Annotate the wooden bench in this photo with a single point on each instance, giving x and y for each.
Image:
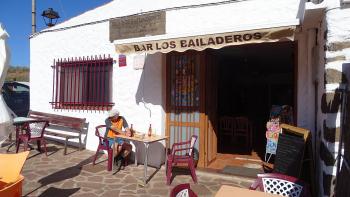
(61, 126)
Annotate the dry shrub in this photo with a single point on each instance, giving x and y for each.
(17, 74)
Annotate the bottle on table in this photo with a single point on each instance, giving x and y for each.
(150, 130)
(131, 131)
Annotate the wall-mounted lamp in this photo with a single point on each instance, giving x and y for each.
(50, 17)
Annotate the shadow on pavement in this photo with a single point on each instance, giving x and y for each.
(55, 192)
(179, 170)
(63, 174)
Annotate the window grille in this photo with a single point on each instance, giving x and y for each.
(82, 83)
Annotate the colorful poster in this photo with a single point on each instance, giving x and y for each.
(273, 130)
(278, 115)
(271, 147)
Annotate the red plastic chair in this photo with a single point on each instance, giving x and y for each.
(103, 145)
(280, 184)
(242, 128)
(182, 190)
(182, 152)
(33, 131)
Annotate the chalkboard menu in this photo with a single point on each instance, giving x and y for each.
(289, 155)
(294, 156)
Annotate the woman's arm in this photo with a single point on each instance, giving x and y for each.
(126, 127)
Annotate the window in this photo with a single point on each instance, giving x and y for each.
(82, 83)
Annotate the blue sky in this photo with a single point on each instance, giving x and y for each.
(15, 16)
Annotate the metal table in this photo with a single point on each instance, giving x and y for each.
(146, 141)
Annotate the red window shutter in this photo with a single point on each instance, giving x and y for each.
(82, 83)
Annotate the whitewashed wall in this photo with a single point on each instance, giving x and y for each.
(252, 14)
(194, 19)
(94, 40)
(138, 94)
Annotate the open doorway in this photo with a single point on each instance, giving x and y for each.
(252, 78)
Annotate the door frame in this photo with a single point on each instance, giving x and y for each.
(202, 116)
(204, 127)
(211, 102)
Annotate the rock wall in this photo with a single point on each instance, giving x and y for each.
(337, 55)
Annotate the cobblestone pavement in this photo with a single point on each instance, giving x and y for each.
(74, 175)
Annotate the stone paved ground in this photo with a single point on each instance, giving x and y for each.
(73, 175)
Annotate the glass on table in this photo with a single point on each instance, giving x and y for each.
(139, 135)
(143, 135)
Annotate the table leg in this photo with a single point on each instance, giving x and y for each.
(16, 140)
(65, 146)
(13, 143)
(166, 155)
(135, 155)
(145, 163)
(113, 151)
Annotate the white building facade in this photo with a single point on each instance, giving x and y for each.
(139, 90)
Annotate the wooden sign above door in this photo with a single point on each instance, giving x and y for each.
(137, 26)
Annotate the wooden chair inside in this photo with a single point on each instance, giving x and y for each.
(242, 128)
(226, 127)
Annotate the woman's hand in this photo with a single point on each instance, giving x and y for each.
(128, 133)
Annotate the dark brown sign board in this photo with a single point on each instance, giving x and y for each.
(293, 152)
(290, 150)
(289, 155)
(137, 26)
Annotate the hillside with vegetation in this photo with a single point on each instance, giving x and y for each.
(18, 74)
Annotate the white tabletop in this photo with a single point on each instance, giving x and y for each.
(21, 120)
(228, 191)
(146, 139)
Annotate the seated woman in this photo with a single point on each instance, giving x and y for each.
(114, 126)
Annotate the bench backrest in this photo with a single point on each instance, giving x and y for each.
(58, 120)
